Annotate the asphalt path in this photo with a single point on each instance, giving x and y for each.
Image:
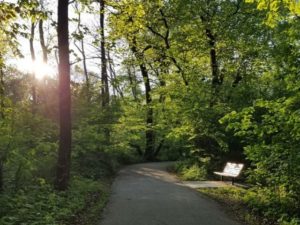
(146, 194)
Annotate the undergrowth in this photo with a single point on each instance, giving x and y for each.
(42, 205)
(250, 206)
(190, 172)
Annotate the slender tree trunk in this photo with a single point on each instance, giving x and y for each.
(81, 49)
(164, 70)
(64, 151)
(113, 75)
(1, 93)
(33, 58)
(1, 176)
(1, 118)
(104, 75)
(85, 70)
(132, 82)
(159, 147)
(42, 42)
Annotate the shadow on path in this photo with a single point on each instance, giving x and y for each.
(145, 194)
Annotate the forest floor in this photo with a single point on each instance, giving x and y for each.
(146, 194)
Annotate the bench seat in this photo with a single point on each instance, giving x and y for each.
(232, 170)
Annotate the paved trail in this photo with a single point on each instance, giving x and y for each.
(145, 194)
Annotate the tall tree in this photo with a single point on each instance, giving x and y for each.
(64, 151)
(104, 75)
(33, 58)
(8, 41)
(42, 41)
(1, 118)
(150, 134)
(79, 36)
(42, 34)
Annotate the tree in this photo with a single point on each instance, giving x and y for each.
(33, 59)
(79, 36)
(42, 36)
(65, 138)
(104, 75)
(8, 36)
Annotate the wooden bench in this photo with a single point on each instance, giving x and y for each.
(231, 170)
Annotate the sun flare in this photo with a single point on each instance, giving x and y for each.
(38, 68)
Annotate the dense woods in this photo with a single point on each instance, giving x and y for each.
(199, 81)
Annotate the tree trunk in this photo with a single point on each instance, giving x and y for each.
(1, 93)
(87, 80)
(64, 151)
(1, 118)
(1, 176)
(81, 49)
(113, 76)
(42, 42)
(150, 135)
(217, 78)
(132, 81)
(32, 53)
(159, 147)
(104, 75)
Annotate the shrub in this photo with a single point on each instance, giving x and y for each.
(192, 172)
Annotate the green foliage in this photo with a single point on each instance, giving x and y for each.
(253, 206)
(42, 205)
(270, 132)
(233, 199)
(273, 204)
(275, 8)
(28, 154)
(192, 171)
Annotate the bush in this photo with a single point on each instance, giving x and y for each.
(191, 172)
(276, 205)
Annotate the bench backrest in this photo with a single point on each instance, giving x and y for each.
(233, 168)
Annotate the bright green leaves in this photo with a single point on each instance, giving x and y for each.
(129, 20)
(277, 10)
(270, 130)
(11, 27)
(7, 12)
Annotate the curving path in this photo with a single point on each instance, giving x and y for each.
(145, 194)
